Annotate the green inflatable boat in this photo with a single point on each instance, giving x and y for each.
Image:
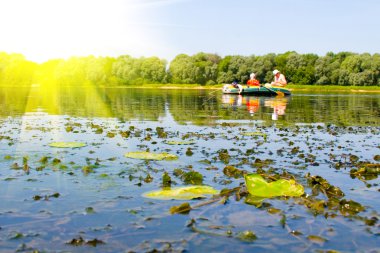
(256, 90)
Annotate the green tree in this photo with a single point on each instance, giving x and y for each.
(126, 70)
(363, 78)
(300, 68)
(201, 68)
(324, 66)
(99, 70)
(206, 68)
(15, 70)
(352, 63)
(236, 67)
(263, 67)
(281, 60)
(71, 71)
(340, 77)
(182, 69)
(360, 69)
(375, 68)
(46, 72)
(153, 70)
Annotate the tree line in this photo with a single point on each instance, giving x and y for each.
(343, 68)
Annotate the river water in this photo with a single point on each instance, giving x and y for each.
(90, 199)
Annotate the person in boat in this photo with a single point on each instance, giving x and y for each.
(279, 79)
(252, 80)
(237, 86)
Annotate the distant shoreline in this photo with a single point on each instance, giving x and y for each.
(312, 88)
(291, 87)
(327, 88)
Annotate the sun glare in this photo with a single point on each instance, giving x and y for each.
(45, 29)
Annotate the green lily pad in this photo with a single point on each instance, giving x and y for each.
(180, 142)
(257, 186)
(181, 193)
(253, 134)
(150, 156)
(67, 144)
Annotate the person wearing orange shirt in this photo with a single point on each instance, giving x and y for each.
(253, 81)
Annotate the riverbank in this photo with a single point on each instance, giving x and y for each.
(311, 88)
(292, 87)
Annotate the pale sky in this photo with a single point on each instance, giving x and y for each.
(47, 29)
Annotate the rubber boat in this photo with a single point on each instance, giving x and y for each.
(255, 90)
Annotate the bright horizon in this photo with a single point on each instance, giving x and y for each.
(46, 29)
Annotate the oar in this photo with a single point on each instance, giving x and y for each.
(270, 90)
(279, 93)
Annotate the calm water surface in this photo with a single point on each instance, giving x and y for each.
(89, 199)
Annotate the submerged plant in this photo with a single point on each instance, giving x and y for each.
(166, 180)
(232, 171)
(182, 193)
(150, 156)
(184, 208)
(366, 172)
(179, 142)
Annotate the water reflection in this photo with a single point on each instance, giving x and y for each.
(254, 103)
(198, 107)
(278, 105)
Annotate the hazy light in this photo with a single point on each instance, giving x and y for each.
(45, 29)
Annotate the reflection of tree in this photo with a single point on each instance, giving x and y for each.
(140, 104)
(87, 101)
(195, 106)
(13, 103)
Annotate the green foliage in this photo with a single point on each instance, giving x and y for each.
(129, 70)
(300, 68)
(15, 70)
(232, 171)
(201, 68)
(166, 180)
(263, 67)
(182, 70)
(344, 68)
(324, 66)
(235, 68)
(192, 177)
